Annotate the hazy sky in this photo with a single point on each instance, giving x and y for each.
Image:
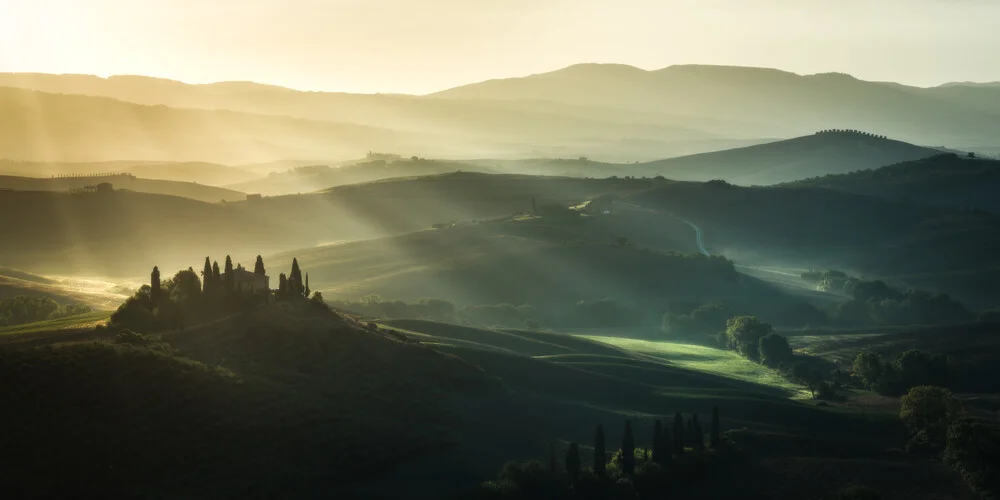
(419, 46)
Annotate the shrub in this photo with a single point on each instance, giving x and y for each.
(931, 410)
(773, 349)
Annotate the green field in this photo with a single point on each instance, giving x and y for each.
(705, 359)
(67, 323)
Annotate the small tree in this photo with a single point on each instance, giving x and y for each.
(678, 434)
(573, 462)
(306, 292)
(867, 367)
(258, 267)
(714, 434)
(599, 452)
(628, 450)
(774, 350)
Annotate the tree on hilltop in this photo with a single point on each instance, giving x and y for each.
(258, 267)
(154, 286)
(230, 278)
(206, 278)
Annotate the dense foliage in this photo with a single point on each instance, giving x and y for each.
(910, 368)
(22, 309)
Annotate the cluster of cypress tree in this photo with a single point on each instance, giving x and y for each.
(293, 286)
(664, 446)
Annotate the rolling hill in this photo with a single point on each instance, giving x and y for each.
(924, 246)
(114, 234)
(769, 102)
(289, 399)
(286, 124)
(194, 191)
(946, 179)
(783, 161)
(47, 127)
(211, 174)
(306, 179)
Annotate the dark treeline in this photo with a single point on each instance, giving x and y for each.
(873, 302)
(674, 457)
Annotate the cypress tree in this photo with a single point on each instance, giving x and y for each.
(699, 435)
(154, 285)
(666, 445)
(678, 434)
(230, 279)
(658, 441)
(206, 278)
(258, 267)
(628, 450)
(599, 467)
(295, 287)
(282, 285)
(573, 462)
(306, 294)
(714, 437)
(216, 276)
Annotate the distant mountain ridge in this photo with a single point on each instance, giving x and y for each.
(780, 103)
(607, 112)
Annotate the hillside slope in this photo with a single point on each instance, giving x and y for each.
(211, 174)
(941, 180)
(928, 247)
(295, 411)
(192, 190)
(783, 161)
(55, 127)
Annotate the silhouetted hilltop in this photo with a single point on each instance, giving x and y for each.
(946, 179)
(826, 152)
(129, 182)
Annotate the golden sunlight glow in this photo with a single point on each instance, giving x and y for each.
(422, 46)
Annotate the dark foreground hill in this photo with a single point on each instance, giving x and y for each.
(281, 401)
(292, 401)
(783, 161)
(192, 190)
(946, 179)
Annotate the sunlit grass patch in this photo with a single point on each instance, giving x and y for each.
(705, 359)
(70, 322)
